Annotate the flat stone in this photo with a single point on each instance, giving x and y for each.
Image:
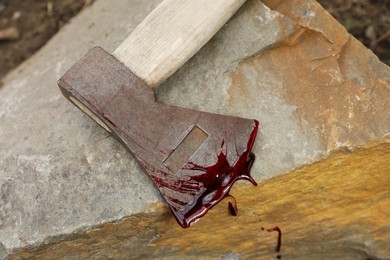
(313, 87)
(334, 209)
(60, 173)
(289, 64)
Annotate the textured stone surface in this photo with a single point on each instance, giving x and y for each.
(3, 251)
(335, 209)
(312, 86)
(59, 171)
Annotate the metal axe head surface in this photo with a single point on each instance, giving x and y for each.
(193, 157)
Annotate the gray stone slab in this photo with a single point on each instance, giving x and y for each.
(61, 173)
(203, 83)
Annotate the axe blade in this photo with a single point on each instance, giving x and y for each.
(193, 157)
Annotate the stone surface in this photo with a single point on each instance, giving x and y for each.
(288, 64)
(312, 86)
(3, 251)
(59, 172)
(335, 209)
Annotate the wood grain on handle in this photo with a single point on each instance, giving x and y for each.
(171, 34)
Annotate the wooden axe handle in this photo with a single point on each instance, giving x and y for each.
(171, 34)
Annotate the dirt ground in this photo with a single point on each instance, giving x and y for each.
(367, 20)
(25, 25)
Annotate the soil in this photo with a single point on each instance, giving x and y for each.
(367, 20)
(26, 25)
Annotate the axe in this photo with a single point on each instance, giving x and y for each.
(193, 157)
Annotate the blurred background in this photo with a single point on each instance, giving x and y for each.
(367, 20)
(26, 25)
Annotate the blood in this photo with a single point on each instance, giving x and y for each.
(109, 120)
(217, 180)
(100, 112)
(279, 244)
(232, 208)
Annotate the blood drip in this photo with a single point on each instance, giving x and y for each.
(279, 244)
(217, 180)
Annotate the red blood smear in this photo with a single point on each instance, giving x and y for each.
(214, 180)
(278, 246)
(232, 209)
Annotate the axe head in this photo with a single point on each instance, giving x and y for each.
(193, 157)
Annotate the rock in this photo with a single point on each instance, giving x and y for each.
(295, 69)
(3, 252)
(289, 64)
(59, 173)
(334, 209)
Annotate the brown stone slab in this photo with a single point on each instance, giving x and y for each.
(337, 208)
